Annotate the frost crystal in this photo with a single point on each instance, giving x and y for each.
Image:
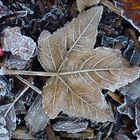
(18, 44)
(15, 62)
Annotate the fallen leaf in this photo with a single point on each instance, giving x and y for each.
(85, 135)
(70, 125)
(132, 108)
(36, 119)
(5, 86)
(130, 11)
(4, 134)
(17, 44)
(82, 4)
(122, 137)
(132, 89)
(127, 107)
(21, 134)
(81, 72)
(8, 123)
(15, 62)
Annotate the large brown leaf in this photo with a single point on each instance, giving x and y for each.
(82, 72)
(82, 4)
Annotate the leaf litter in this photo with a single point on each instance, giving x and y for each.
(78, 69)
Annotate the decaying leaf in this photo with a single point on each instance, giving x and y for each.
(70, 125)
(7, 124)
(82, 4)
(127, 107)
(81, 72)
(85, 135)
(15, 62)
(17, 44)
(131, 9)
(132, 89)
(5, 86)
(4, 11)
(35, 118)
(132, 109)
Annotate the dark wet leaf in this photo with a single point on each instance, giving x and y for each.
(36, 119)
(127, 107)
(24, 7)
(132, 89)
(8, 124)
(5, 87)
(122, 137)
(4, 11)
(110, 40)
(70, 125)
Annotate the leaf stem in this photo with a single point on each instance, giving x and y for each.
(12, 104)
(5, 71)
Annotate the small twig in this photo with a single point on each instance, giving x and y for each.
(28, 84)
(12, 104)
(5, 71)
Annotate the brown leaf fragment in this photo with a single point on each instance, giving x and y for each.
(82, 72)
(21, 134)
(130, 10)
(87, 134)
(36, 118)
(115, 97)
(82, 4)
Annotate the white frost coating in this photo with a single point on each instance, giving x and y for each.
(4, 134)
(18, 44)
